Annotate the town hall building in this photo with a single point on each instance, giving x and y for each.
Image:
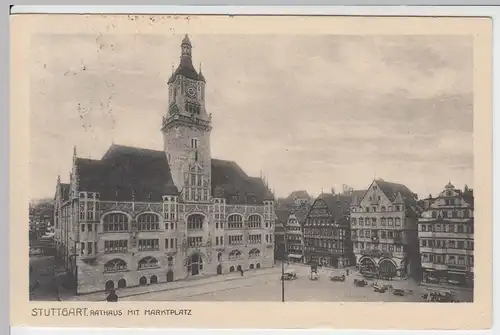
(140, 216)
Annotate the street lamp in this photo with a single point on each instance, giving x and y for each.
(283, 257)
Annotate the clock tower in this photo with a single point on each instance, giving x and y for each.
(186, 128)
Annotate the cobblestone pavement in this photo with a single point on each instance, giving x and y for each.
(268, 288)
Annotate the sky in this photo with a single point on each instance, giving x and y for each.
(311, 112)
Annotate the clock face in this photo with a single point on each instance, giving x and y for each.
(191, 91)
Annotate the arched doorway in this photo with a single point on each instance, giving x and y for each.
(219, 269)
(258, 265)
(231, 269)
(387, 268)
(170, 276)
(122, 283)
(238, 268)
(367, 265)
(143, 281)
(195, 264)
(251, 266)
(153, 279)
(110, 285)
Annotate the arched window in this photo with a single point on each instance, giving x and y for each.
(195, 222)
(398, 222)
(361, 221)
(383, 221)
(234, 255)
(235, 221)
(390, 221)
(153, 279)
(254, 253)
(196, 190)
(115, 222)
(115, 265)
(148, 221)
(353, 221)
(231, 269)
(254, 221)
(148, 263)
(219, 257)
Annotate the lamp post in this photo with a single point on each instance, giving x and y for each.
(282, 255)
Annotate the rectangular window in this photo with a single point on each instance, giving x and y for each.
(95, 248)
(89, 247)
(195, 241)
(90, 226)
(149, 245)
(115, 246)
(82, 248)
(82, 227)
(194, 143)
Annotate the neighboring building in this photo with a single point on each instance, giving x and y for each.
(296, 200)
(140, 216)
(446, 237)
(294, 237)
(384, 229)
(279, 230)
(326, 231)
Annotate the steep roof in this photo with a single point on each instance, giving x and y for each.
(124, 171)
(186, 67)
(232, 183)
(301, 194)
(339, 205)
(282, 215)
(395, 192)
(301, 215)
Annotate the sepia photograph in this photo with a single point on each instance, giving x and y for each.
(175, 164)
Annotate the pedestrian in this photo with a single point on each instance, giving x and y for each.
(112, 297)
(347, 272)
(241, 271)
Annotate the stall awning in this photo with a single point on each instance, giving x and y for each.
(295, 256)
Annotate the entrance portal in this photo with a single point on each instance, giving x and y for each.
(110, 285)
(195, 264)
(219, 269)
(170, 276)
(143, 281)
(122, 283)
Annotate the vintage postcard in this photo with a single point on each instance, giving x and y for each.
(253, 171)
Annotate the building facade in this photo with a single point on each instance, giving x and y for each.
(140, 216)
(279, 231)
(326, 232)
(446, 237)
(294, 241)
(384, 230)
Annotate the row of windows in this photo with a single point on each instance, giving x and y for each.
(378, 247)
(374, 246)
(196, 241)
(373, 221)
(452, 244)
(373, 209)
(115, 246)
(374, 233)
(448, 259)
(118, 265)
(447, 228)
(452, 214)
(324, 244)
(324, 232)
(149, 245)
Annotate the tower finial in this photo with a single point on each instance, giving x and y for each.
(74, 151)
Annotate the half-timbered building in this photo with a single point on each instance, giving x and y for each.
(326, 230)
